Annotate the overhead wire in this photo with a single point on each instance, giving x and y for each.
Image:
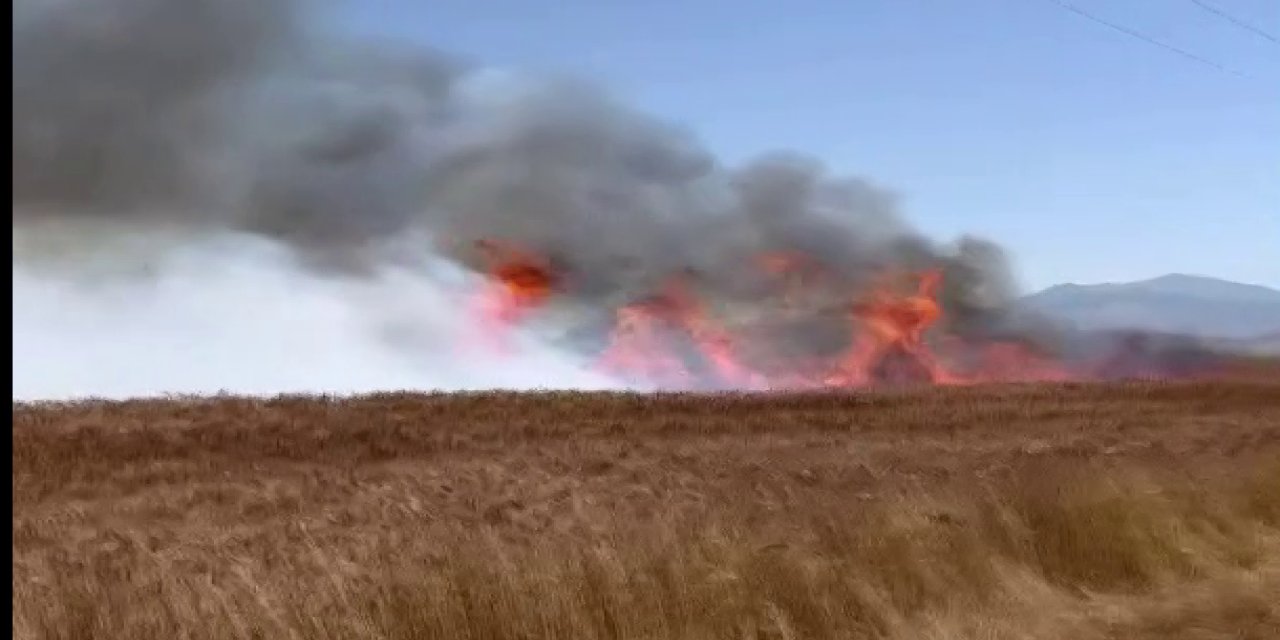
(1145, 38)
(1234, 20)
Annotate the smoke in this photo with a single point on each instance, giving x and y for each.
(338, 179)
(236, 314)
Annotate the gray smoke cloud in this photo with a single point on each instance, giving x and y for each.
(213, 117)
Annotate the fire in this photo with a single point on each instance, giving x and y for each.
(674, 338)
(886, 323)
(518, 283)
(645, 342)
(637, 349)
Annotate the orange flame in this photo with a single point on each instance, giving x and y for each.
(886, 322)
(518, 284)
(672, 339)
(637, 349)
(640, 345)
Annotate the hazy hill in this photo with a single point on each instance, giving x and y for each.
(1175, 303)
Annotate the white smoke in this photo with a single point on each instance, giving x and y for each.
(233, 313)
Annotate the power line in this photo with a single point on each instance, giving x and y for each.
(1145, 38)
(1234, 20)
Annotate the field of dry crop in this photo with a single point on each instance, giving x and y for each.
(1044, 511)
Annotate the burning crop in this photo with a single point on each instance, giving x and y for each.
(685, 334)
(616, 232)
(671, 339)
(518, 283)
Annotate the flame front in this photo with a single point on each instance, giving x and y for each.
(673, 338)
(517, 284)
(645, 343)
(888, 323)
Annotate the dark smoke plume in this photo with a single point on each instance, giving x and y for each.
(238, 115)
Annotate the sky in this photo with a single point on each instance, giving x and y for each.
(1091, 155)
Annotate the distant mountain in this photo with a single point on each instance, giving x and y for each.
(1176, 303)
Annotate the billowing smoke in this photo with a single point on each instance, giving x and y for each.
(233, 313)
(147, 131)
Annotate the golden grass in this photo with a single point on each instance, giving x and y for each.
(1043, 511)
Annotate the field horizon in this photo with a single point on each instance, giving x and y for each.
(1053, 510)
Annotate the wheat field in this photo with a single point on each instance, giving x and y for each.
(1080, 511)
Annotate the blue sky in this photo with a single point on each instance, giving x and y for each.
(1092, 156)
